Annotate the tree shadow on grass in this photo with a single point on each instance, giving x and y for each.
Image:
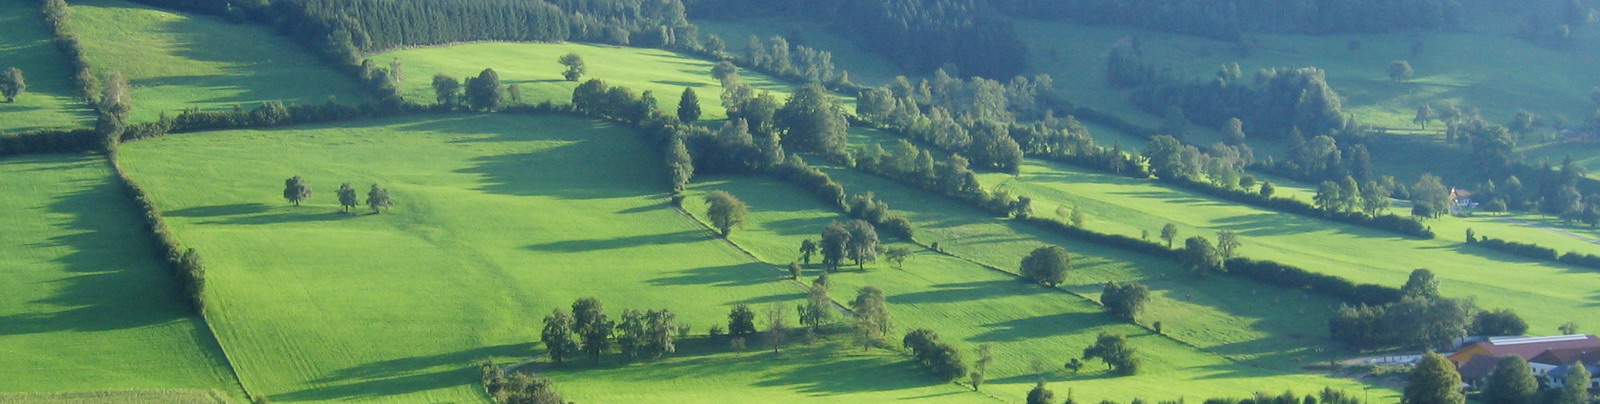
(1041, 326)
(112, 279)
(724, 276)
(644, 240)
(405, 375)
(961, 292)
(287, 217)
(218, 210)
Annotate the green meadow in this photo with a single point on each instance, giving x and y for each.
(86, 309)
(1033, 329)
(499, 219)
(533, 67)
(177, 61)
(51, 100)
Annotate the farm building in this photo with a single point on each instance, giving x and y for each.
(1548, 356)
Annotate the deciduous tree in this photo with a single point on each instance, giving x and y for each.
(741, 321)
(1511, 382)
(872, 319)
(575, 66)
(592, 326)
(557, 336)
(1433, 381)
(725, 211)
(1047, 265)
(348, 199)
(378, 198)
(484, 92)
(296, 190)
(1113, 348)
(12, 84)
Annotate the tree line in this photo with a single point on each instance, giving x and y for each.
(968, 36)
(1534, 251)
(1232, 20)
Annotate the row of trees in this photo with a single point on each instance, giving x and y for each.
(1276, 103)
(297, 190)
(587, 330)
(1041, 394)
(481, 93)
(1534, 251)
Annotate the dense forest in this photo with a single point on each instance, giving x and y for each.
(1231, 19)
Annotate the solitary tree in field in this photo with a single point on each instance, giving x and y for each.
(980, 369)
(1125, 301)
(807, 248)
(688, 106)
(1424, 114)
(1114, 350)
(872, 320)
(897, 255)
(378, 198)
(484, 92)
(296, 189)
(1400, 71)
(575, 66)
(1047, 265)
(725, 211)
(1169, 232)
(348, 198)
(557, 336)
(1434, 381)
(12, 84)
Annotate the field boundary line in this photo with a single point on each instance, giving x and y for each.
(752, 256)
(128, 182)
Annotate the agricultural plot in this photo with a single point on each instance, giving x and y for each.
(177, 61)
(1545, 294)
(499, 219)
(1033, 330)
(533, 67)
(85, 305)
(51, 100)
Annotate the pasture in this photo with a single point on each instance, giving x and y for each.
(1032, 329)
(533, 67)
(176, 61)
(85, 305)
(51, 100)
(499, 219)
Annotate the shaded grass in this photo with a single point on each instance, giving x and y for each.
(533, 66)
(51, 100)
(500, 219)
(177, 61)
(85, 305)
(118, 396)
(1033, 329)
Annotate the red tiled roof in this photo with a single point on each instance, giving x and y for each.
(1565, 356)
(1528, 348)
(1478, 368)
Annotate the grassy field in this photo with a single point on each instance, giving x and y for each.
(533, 66)
(177, 61)
(499, 220)
(1034, 329)
(1545, 294)
(51, 100)
(118, 396)
(85, 305)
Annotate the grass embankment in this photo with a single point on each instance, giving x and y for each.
(176, 61)
(51, 100)
(85, 304)
(499, 220)
(533, 67)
